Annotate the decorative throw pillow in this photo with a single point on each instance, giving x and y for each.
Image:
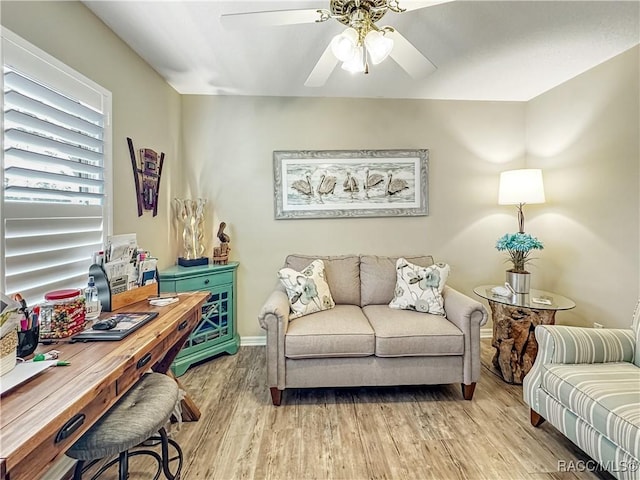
(308, 290)
(420, 288)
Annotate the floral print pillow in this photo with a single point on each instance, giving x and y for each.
(420, 288)
(308, 290)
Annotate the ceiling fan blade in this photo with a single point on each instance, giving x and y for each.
(270, 18)
(325, 66)
(409, 5)
(409, 57)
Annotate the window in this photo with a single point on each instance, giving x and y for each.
(55, 202)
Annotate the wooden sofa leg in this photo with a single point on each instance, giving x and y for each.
(536, 418)
(276, 396)
(467, 390)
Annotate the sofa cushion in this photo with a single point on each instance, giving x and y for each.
(404, 333)
(378, 277)
(307, 290)
(420, 288)
(605, 395)
(342, 275)
(342, 331)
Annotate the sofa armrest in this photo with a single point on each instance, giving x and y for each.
(277, 306)
(468, 315)
(574, 345)
(564, 344)
(461, 309)
(274, 318)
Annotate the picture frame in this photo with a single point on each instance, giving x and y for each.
(350, 183)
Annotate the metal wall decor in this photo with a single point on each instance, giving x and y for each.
(350, 183)
(146, 177)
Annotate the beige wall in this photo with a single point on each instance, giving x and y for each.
(145, 107)
(229, 141)
(584, 135)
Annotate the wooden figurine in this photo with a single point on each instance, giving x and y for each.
(221, 253)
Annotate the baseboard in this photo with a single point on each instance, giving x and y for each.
(486, 333)
(257, 341)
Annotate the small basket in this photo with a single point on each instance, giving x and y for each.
(8, 347)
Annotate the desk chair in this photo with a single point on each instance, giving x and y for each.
(134, 419)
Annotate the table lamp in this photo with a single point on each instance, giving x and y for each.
(518, 187)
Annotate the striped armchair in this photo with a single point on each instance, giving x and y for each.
(586, 383)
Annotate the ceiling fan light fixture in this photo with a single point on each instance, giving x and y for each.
(378, 46)
(355, 64)
(345, 45)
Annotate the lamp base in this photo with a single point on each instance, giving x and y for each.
(193, 262)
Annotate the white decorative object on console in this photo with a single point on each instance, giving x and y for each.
(191, 214)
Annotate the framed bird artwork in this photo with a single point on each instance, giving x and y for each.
(350, 183)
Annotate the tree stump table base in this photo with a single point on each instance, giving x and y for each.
(514, 338)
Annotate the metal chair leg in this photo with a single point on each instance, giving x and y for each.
(165, 442)
(77, 472)
(123, 466)
(163, 460)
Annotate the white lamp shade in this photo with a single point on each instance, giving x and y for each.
(344, 45)
(521, 186)
(378, 45)
(356, 64)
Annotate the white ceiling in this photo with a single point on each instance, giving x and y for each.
(499, 50)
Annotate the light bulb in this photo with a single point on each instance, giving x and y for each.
(356, 64)
(344, 44)
(378, 45)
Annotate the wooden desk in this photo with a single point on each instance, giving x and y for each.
(37, 412)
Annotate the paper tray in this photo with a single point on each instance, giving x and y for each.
(23, 372)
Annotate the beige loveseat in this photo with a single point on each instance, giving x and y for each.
(363, 342)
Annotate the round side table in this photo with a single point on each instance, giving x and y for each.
(514, 320)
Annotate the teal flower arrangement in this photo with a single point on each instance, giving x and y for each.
(519, 246)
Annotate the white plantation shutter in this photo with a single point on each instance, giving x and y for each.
(56, 164)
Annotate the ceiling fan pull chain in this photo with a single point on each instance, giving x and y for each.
(365, 61)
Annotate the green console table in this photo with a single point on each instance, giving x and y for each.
(217, 330)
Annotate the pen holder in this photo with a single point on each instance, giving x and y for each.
(28, 341)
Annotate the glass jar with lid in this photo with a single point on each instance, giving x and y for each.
(62, 314)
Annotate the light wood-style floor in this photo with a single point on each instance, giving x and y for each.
(426, 432)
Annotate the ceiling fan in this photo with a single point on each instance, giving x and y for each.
(361, 43)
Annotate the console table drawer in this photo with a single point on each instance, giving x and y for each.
(204, 282)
